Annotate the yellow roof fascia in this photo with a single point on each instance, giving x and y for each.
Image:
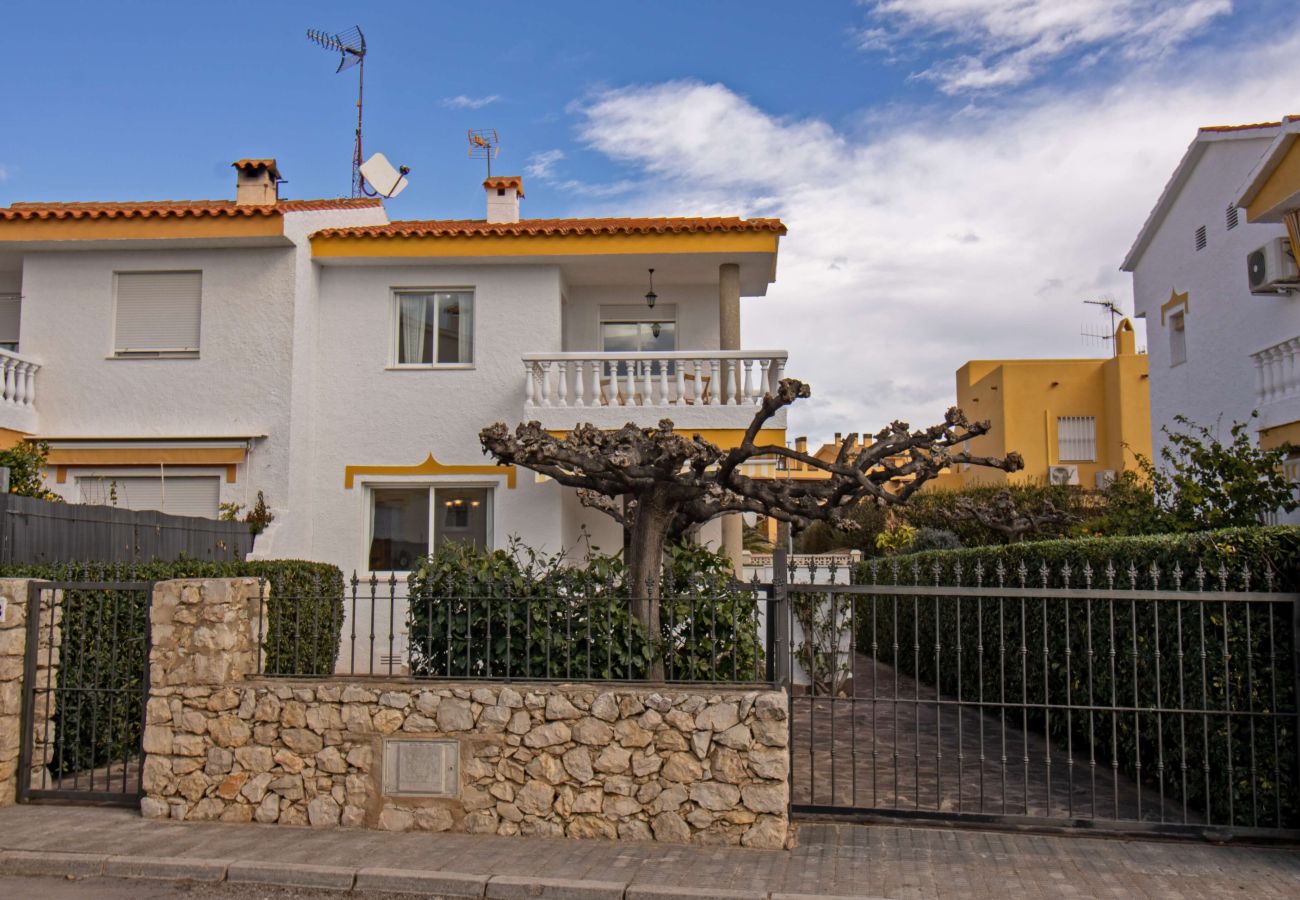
(443, 245)
(141, 228)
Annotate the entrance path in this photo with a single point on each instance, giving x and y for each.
(843, 860)
(892, 746)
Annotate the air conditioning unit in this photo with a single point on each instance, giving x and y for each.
(1272, 268)
(1062, 474)
(1105, 478)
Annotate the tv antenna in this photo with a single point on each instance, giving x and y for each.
(484, 144)
(1115, 312)
(351, 47)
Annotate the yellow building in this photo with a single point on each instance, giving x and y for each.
(1075, 421)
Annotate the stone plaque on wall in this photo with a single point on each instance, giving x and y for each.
(415, 768)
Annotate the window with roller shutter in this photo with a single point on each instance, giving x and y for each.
(157, 314)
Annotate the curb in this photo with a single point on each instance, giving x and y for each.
(31, 862)
(335, 878)
(416, 881)
(521, 887)
(173, 868)
(668, 892)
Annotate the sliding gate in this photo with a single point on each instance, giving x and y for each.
(85, 685)
(1151, 701)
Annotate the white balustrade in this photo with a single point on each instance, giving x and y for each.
(1277, 372)
(18, 388)
(677, 378)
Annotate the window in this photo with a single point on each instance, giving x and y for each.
(1200, 238)
(1231, 217)
(157, 314)
(1177, 339)
(435, 328)
(10, 314)
(178, 495)
(400, 522)
(638, 334)
(1076, 438)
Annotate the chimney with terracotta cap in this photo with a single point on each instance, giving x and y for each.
(257, 182)
(503, 195)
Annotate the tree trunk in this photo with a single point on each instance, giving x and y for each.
(646, 539)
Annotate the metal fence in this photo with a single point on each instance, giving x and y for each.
(34, 531)
(593, 634)
(1134, 698)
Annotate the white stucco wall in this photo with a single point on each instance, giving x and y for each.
(1224, 323)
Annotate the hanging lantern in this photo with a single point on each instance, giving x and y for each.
(655, 329)
(651, 296)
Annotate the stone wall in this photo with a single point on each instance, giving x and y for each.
(700, 765)
(13, 644)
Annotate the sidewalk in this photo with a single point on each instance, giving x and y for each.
(845, 860)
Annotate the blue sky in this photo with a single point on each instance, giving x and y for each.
(958, 175)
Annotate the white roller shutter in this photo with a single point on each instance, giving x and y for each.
(158, 312)
(10, 315)
(1076, 438)
(179, 495)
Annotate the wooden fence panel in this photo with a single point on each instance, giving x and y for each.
(38, 531)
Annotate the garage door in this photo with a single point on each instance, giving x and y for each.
(179, 495)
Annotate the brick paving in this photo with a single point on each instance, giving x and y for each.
(892, 746)
(831, 859)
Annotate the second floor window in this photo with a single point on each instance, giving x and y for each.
(1076, 438)
(435, 328)
(157, 313)
(1177, 339)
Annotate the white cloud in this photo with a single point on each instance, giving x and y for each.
(542, 165)
(1001, 43)
(4, 173)
(930, 242)
(460, 101)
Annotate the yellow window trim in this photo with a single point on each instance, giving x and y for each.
(430, 466)
(1175, 300)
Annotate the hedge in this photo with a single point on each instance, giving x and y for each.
(1243, 663)
(496, 615)
(304, 617)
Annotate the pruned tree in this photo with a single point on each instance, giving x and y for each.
(1001, 514)
(668, 483)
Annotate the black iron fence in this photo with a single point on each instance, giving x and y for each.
(1147, 699)
(592, 633)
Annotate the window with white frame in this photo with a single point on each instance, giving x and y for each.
(157, 313)
(402, 518)
(11, 306)
(435, 328)
(637, 331)
(1076, 438)
(1177, 339)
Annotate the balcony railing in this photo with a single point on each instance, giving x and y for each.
(684, 378)
(1277, 381)
(18, 390)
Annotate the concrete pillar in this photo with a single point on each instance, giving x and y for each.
(733, 533)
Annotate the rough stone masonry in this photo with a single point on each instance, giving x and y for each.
(699, 765)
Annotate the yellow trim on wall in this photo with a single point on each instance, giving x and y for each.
(543, 244)
(429, 467)
(151, 228)
(1280, 189)
(1175, 299)
(147, 456)
(1272, 438)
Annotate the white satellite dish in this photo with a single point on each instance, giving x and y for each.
(381, 176)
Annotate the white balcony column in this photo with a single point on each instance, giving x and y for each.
(733, 532)
(530, 382)
(10, 379)
(29, 385)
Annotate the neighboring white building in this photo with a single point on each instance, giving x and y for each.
(1210, 339)
(182, 354)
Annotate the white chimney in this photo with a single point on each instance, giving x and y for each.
(257, 182)
(503, 195)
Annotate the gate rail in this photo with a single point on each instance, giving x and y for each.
(85, 689)
(1117, 707)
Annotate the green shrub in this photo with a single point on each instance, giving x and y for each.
(103, 641)
(519, 614)
(1132, 654)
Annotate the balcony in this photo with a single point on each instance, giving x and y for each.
(18, 392)
(694, 388)
(1277, 383)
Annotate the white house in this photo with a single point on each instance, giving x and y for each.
(177, 355)
(1210, 338)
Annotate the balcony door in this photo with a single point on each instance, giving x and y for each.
(637, 333)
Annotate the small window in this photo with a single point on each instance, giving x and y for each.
(400, 523)
(1231, 217)
(1200, 238)
(11, 306)
(435, 327)
(1076, 438)
(1177, 339)
(157, 314)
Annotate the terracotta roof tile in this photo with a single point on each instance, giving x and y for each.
(254, 164)
(1250, 127)
(505, 181)
(553, 227)
(163, 209)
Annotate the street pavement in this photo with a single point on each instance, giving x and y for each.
(900, 863)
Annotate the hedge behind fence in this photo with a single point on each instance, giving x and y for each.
(1241, 772)
(304, 615)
